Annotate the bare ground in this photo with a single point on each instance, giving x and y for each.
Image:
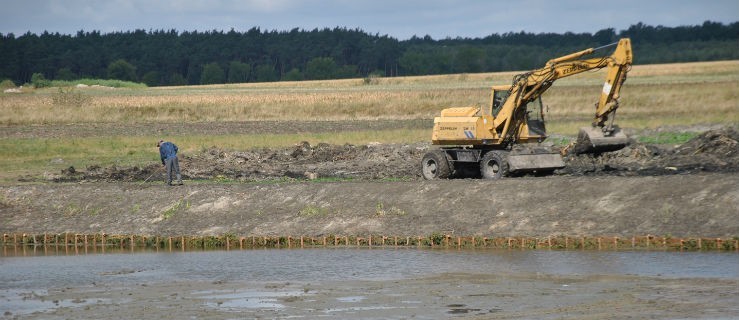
(712, 151)
(681, 191)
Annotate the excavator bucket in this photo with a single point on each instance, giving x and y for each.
(594, 140)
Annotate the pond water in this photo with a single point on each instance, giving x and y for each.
(333, 283)
(56, 270)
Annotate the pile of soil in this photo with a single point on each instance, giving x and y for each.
(712, 151)
(374, 161)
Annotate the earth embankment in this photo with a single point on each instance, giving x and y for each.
(681, 205)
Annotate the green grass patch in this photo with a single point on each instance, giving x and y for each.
(170, 212)
(312, 211)
(668, 137)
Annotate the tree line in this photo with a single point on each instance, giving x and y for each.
(169, 57)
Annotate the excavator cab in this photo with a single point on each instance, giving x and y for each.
(499, 98)
(533, 109)
(535, 118)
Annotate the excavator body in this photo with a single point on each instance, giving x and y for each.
(506, 136)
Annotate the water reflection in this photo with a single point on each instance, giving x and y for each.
(40, 269)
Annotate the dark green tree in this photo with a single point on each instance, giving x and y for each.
(151, 78)
(321, 68)
(122, 70)
(238, 72)
(39, 81)
(332, 53)
(469, 59)
(65, 74)
(293, 75)
(212, 74)
(265, 73)
(177, 79)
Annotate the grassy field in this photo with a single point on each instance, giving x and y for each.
(654, 96)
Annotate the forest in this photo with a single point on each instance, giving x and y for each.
(171, 57)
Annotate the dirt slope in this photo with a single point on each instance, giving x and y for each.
(678, 205)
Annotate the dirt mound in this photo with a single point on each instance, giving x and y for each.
(374, 161)
(112, 173)
(303, 161)
(712, 151)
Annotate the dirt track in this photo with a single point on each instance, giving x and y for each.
(689, 190)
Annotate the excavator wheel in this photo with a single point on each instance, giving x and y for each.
(493, 165)
(435, 165)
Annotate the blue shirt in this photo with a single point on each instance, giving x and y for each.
(167, 150)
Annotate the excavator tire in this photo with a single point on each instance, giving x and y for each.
(493, 165)
(435, 165)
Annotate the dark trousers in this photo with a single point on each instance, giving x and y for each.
(172, 166)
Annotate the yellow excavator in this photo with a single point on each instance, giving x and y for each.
(504, 138)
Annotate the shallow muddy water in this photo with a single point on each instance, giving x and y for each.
(55, 269)
(292, 283)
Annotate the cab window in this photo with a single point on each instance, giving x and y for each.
(499, 98)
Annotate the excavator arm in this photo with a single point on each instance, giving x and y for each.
(529, 86)
(533, 84)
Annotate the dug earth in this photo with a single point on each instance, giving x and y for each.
(691, 190)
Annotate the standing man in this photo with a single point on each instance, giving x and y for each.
(168, 153)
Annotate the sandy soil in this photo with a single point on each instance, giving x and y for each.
(457, 296)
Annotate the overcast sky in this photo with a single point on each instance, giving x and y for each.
(400, 19)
